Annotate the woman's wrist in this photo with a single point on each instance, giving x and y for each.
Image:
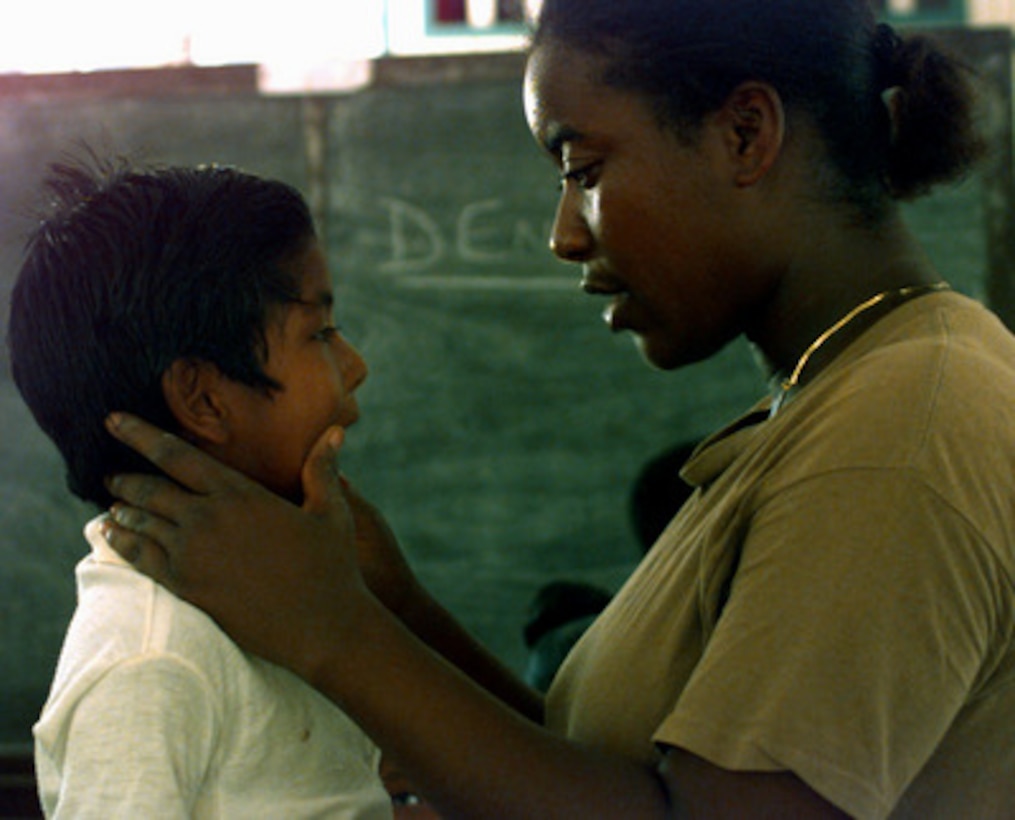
(329, 635)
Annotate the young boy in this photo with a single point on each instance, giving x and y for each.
(199, 297)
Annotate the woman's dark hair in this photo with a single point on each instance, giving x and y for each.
(830, 59)
(131, 269)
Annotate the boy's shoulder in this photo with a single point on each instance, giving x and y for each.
(124, 617)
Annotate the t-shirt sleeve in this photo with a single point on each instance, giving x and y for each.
(140, 743)
(857, 624)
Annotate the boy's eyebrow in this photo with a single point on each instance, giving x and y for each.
(322, 299)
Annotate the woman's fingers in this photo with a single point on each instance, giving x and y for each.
(144, 554)
(322, 479)
(185, 463)
(144, 523)
(169, 510)
(148, 500)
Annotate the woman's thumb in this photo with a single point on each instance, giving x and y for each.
(322, 480)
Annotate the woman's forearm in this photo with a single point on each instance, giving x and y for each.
(431, 622)
(471, 753)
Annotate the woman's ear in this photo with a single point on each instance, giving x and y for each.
(754, 126)
(192, 390)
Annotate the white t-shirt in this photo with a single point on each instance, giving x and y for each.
(155, 712)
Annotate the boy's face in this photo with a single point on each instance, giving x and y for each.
(271, 435)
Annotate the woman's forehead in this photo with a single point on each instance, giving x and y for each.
(560, 80)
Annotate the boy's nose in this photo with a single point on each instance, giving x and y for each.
(354, 367)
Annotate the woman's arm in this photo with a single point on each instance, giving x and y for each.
(285, 582)
(390, 578)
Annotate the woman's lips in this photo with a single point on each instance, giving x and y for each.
(614, 314)
(601, 284)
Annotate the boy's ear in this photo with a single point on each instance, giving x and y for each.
(191, 388)
(754, 125)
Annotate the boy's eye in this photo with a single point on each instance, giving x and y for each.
(326, 334)
(406, 798)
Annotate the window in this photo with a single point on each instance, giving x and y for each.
(455, 26)
(921, 11)
(478, 13)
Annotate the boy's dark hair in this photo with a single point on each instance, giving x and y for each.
(829, 58)
(132, 269)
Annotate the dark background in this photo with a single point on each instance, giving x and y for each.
(502, 426)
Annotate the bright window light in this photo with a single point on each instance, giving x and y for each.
(71, 35)
(288, 37)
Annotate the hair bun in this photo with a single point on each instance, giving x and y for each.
(886, 47)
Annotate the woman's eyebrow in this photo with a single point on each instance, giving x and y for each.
(558, 135)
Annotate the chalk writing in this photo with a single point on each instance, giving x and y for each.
(484, 233)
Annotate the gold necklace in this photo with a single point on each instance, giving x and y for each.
(900, 293)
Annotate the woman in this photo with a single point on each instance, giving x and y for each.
(827, 626)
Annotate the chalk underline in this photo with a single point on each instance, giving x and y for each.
(557, 283)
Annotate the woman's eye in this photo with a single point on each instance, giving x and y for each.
(586, 176)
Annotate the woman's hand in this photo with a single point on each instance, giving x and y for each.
(282, 580)
(380, 557)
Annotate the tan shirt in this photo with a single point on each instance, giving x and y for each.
(837, 598)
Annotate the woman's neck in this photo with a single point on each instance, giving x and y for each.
(833, 273)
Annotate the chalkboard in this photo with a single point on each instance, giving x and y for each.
(502, 426)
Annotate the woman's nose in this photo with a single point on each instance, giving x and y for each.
(570, 239)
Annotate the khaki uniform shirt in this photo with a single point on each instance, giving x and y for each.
(837, 598)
